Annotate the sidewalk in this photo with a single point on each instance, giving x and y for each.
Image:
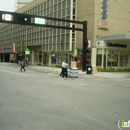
(80, 72)
(58, 70)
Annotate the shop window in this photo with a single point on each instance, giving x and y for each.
(112, 58)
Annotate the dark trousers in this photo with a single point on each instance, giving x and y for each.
(61, 73)
(65, 73)
(22, 67)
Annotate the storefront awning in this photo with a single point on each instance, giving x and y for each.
(116, 38)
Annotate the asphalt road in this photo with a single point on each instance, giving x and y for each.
(33, 100)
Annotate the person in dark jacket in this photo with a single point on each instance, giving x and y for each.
(22, 64)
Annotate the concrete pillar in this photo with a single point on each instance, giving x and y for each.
(106, 57)
(38, 56)
(124, 59)
(118, 58)
(32, 57)
(75, 52)
(57, 58)
(49, 64)
(102, 57)
(93, 56)
(42, 59)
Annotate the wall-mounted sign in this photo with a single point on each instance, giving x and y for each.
(104, 9)
(116, 45)
(103, 24)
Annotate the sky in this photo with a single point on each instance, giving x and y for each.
(7, 5)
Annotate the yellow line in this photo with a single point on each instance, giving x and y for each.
(58, 83)
(80, 84)
(38, 81)
(7, 78)
(105, 85)
(126, 85)
(19, 79)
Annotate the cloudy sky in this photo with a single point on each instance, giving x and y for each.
(7, 5)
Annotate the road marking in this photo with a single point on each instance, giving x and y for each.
(7, 78)
(14, 72)
(58, 83)
(51, 74)
(105, 85)
(19, 79)
(33, 75)
(98, 79)
(80, 84)
(38, 81)
(126, 85)
(119, 80)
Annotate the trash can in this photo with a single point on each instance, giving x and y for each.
(89, 69)
(73, 72)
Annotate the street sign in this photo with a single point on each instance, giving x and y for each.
(39, 20)
(27, 52)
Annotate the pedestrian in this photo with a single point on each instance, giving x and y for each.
(64, 72)
(22, 64)
(61, 73)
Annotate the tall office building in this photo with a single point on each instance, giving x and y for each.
(107, 28)
(21, 3)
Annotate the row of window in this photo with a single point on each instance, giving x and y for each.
(40, 35)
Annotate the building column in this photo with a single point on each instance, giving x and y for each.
(102, 57)
(49, 62)
(118, 58)
(93, 56)
(75, 52)
(32, 57)
(42, 58)
(124, 59)
(57, 60)
(106, 57)
(38, 56)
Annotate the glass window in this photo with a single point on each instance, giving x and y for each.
(112, 58)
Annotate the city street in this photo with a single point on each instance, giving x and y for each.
(34, 100)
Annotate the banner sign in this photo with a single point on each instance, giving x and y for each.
(21, 46)
(13, 48)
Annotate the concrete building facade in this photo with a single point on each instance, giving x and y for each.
(108, 31)
(20, 3)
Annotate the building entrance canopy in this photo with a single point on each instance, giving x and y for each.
(118, 38)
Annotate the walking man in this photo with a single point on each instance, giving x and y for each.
(64, 69)
(61, 73)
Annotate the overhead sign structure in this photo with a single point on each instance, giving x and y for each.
(35, 20)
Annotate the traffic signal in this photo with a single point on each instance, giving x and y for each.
(22, 19)
(86, 43)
